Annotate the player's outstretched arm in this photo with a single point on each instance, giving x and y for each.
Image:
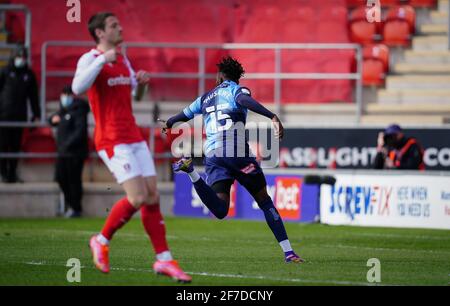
(181, 117)
(88, 68)
(187, 114)
(247, 101)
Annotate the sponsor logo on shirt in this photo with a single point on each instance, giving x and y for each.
(117, 81)
(249, 169)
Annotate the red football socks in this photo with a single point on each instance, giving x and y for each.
(154, 226)
(120, 214)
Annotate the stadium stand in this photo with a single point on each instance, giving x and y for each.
(410, 73)
(406, 70)
(238, 19)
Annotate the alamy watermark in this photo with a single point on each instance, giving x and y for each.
(374, 273)
(373, 13)
(74, 13)
(74, 273)
(231, 139)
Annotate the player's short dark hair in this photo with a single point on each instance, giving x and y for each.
(98, 21)
(231, 68)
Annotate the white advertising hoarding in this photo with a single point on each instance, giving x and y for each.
(410, 201)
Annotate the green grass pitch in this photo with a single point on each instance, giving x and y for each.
(229, 252)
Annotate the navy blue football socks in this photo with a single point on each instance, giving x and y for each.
(273, 219)
(218, 207)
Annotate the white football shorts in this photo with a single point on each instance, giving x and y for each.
(129, 161)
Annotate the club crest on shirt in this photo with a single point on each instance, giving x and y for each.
(127, 167)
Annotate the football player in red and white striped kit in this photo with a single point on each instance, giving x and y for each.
(108, 78)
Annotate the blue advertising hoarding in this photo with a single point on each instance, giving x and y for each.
(295, 201)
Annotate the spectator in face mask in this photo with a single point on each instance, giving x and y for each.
(396, 151)
(72, 144)
(18, 87)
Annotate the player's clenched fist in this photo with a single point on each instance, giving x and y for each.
(110, 55)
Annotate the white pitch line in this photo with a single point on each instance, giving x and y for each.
(220, 275)
(342, 246)
(256, 242)
(294, 280)
(407, 236)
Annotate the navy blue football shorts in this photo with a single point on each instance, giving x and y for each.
(246, 170)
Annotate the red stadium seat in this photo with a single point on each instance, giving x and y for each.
(332, 32)
(390, 3)
(337, 90)
(335, 13)
(39, 140)
(182, 89)
(302, 91)
(373, 72)
(362, 31)
(186, 61)
(262, 25)
(355, 3)
(14, 22)
(384, 3)
(299, 25)
(297, 31)
(375, 65)
(257, 61)
(423, 3)
(404, 13)
(304, 12)
(378, 52)
(316, 91)
(397, 33)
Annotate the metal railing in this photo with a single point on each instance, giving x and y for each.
(22, 8)
(202, 76)
(33, 155)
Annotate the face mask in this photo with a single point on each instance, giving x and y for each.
(19, 62)
(66, 101)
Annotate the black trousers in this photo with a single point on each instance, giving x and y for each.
(10, 142)
(68, 174)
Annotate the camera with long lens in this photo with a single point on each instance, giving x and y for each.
(389, 140)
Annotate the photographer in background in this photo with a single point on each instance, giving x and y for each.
(72, 144)
(396, 151)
